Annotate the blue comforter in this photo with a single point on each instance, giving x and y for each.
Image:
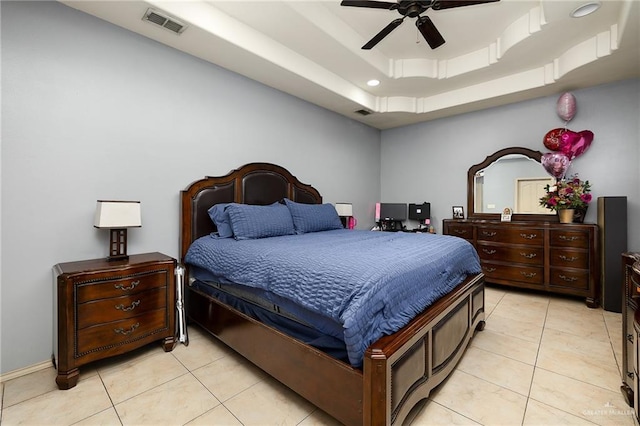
(373, 283)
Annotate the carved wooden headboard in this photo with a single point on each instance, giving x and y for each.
(254, 183)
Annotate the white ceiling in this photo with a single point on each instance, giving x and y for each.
(495, 53)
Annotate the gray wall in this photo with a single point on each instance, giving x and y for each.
(91, 111)
(429, 161)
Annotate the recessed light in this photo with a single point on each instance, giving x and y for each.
(373, 83)
(585, 9)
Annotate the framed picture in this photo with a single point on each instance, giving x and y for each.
(458, 212)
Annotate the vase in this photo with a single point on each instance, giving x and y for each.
(565, 215)
(579, 214)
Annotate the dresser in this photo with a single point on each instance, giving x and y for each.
(106, 308)
(541, 255)
(630, 328)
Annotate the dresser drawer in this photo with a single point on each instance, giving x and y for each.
(564, 257)
(126, 284)
(528, 236)
(528, 274)
(117, 308)
(104, 336)
(461, 230)
(533, 255)
(574, 278)
(568, 238)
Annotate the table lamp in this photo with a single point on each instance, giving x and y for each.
(117, 216)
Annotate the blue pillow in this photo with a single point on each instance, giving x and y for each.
(250, 222)
(221, 219)
(313, 217)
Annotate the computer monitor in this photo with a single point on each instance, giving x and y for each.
(420, 212)
(393, 211)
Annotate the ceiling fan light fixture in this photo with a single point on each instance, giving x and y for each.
(373, 83)
(585, 9)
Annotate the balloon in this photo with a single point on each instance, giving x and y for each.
(556, 164)
(566, 106)
(586, 137)
(574, 144)
(567, 140)
(552, 139)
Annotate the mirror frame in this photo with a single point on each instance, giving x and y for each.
(529, 153)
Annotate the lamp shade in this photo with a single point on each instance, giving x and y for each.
(344, 209)
(117, 214)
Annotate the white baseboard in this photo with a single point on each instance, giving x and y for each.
(26, 370)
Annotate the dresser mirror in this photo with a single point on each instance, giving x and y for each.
(510, 178)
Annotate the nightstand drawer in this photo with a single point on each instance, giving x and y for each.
(123, 285)
(117, 308)
(104, 336)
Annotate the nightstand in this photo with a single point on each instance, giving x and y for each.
(107, 308)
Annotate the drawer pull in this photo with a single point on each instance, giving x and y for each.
(630, 338)
(630, 375)
(528, 255)
(490, 269)
(565, 238)
(567, 279)
(489, 234)
(489, 251)
(460, 231)
(126, 332)
(568, 259)
(133, 285)
(528, 274)
(121, 306)
(528, 236)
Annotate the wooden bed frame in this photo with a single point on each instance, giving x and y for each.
(398, 371)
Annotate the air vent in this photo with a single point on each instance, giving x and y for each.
(164, 20)
(364, 111)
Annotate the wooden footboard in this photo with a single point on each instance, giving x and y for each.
(399, 370)
(403, 368)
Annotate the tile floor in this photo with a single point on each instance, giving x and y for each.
(541, 360)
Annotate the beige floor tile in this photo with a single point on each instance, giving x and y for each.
(140, 374)
(434, 414)
(539, 414)
(267, 403)
(60, 407)
(592, 403)
(514, 327)
(585, 322)
(107, 417)
(319, 418)
(479, 400)
(508, 346)
(173, 403)
(29, 386)
(497, 369)
(579, 366)
(228, 376)
(570, 342)
(202, 350)
(218, 416)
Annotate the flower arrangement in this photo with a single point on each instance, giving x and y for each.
(570, 193)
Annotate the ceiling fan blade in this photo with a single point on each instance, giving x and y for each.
(371, 4)
(448, 4)
(429, 32)
(382, 34)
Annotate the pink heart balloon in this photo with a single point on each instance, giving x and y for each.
(556, 164)
(567, 140)
(579, 147)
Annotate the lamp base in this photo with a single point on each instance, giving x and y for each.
(118, 245)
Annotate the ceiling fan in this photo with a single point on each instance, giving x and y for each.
(412, 9)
